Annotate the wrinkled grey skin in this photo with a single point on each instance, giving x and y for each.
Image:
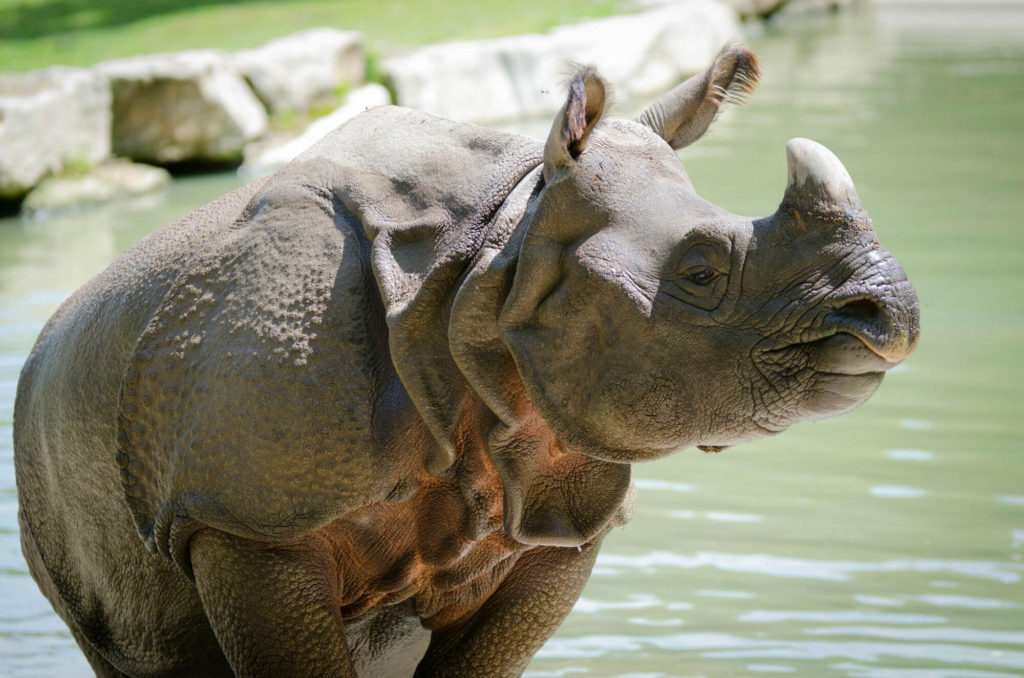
(374, 414)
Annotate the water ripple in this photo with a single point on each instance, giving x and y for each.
(916, 424)
(897, 492)
(910, 455)
(667, 485)
(938, 633)
(734, 595)
(839, 617)
(880, 601)
(781, 566)
(644, 621)
(727, 517)
(727, 646)
(859, 671)
(568, 671)
(874, 652)
(967, 602)
(636, 602)
(770, 668)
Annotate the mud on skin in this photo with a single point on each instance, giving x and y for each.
(373, 414)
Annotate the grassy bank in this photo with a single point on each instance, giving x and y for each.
(40, 33)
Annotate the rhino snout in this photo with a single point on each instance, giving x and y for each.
(887, 323)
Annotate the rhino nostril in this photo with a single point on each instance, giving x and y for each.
(865, 309)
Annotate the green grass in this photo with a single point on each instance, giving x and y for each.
(40, 33)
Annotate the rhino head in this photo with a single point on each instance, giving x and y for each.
(638, 319)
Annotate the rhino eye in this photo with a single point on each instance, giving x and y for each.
(702, 275)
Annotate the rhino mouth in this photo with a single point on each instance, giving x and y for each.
(821, 378)
(838, 354)
(847, 355)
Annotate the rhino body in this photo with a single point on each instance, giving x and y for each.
(373, 414)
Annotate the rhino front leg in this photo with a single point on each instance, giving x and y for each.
(500, 638)
(273, 607)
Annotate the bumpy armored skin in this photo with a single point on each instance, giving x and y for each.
(373, 415)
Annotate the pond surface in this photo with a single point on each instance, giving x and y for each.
(888, 543)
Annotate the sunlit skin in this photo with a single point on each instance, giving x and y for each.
(374, 414)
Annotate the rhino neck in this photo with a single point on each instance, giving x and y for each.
(421, 251)
(531, 459)
(473, 335)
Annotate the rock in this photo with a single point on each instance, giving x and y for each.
(114, 179)
(518, 77)
(748, 9)
(185, 106)
(796, 6)
(294, 72)
(765, 9)
(49, 119)
(262, 160)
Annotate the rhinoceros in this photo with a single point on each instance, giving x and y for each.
(373, 415)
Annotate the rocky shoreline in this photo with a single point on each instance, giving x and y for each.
(78, 135)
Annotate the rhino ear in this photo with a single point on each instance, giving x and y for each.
(573, 124)
(683, 115)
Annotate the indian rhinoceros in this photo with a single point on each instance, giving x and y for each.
(374, 414)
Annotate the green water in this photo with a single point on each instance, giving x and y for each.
(888, 543)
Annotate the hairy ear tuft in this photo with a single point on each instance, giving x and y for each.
(683, 115)
(735, 77)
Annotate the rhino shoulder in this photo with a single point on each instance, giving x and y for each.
(248, 401)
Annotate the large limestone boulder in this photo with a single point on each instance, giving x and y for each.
(517, 78)
(179, 107)
(266, 159)
(49, 119)
(294, 72)
(116, 178)
(757, 8)
(761, 9)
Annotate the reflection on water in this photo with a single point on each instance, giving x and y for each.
(910, 455)
(859, 671)
(667, 485)
(898, 492)
(888, 543)
(839, 617)
(781, 566)
(725, 646)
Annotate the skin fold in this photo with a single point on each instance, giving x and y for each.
(373, 415)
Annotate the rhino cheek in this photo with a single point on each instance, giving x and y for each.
(595, 410)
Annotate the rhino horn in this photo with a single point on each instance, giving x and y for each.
(818, 182)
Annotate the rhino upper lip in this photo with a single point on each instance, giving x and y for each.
(839, 353)
(848, 354)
